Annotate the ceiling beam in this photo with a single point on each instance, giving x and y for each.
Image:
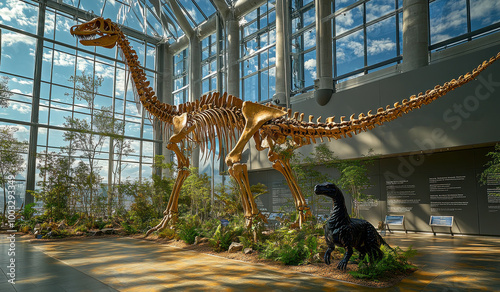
(243, 7)
(181, 18)
(222, 7)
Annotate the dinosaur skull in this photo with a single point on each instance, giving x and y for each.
(326, 189)
(97, 32)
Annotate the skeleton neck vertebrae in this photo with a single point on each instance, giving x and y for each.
(232, 122)
(147, 97)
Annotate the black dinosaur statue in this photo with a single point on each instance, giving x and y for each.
(349, 233)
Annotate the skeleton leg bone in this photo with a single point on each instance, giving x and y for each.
(171, 212)
(282, 164)
(240, 173)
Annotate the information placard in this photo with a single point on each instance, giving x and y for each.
(441, 221)
(446, 221)
(394, 219)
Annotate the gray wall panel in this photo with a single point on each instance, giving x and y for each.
(442, 183)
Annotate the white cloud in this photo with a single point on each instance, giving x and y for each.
(340, 55)
(147, 147)
(17, 11)
(132, 109)
(309, 17)
(192, 12)
(9, 39)
(64, 24)
(83, 64)
(485, 11)
(60, 59)
(20, 81)
(135, 144)
(18, 91)
(346, 20)
(310, 38)
(21, 107)
(49, 22)
(310, 65)
(377, 9)
(21, 133)
(357, 48)
(454, 21)
(104, 71)
(379, 46)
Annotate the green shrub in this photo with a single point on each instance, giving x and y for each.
(188, 233)
(290, 247)
(81, 228)
(208, 227)
(28, 211)
(98, 224)
(187, 228)
(129, 228)
(73, 219)
(396, 261)
(25, 229)
(223, 237)
(247, 241)
(167, 233)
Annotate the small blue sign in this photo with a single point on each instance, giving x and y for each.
(442, 221)
(224, 222)
(394, 219)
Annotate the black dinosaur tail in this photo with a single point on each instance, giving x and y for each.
(382, 241)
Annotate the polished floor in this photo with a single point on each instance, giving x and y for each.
(460, 263)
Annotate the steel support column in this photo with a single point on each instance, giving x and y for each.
(415, 34)
(282, 94)
(324, 54)
(195, 83)
(37, 78)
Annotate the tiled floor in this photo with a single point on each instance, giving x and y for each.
(462, 263)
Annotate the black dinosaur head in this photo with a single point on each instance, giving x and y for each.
(329, 190)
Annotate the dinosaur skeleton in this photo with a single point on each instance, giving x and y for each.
(235, 122)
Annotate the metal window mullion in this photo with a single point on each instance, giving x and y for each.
(242, 83)
(365, 37)
(343, 10)
(111, 152)
(369, 23)
(303, 29)
(368, 68)
(218, 48)
(469, 24)
(256, 52)
(301, 72)
(334, 43)
(398, 47)
(37, 77)
(465, 37)
(428, 25)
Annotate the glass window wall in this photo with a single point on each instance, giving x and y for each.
(453, 22)
(64, 99)
(258, 54)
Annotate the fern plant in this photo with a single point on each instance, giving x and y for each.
(393, 261)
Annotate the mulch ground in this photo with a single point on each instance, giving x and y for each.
(317, 269)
